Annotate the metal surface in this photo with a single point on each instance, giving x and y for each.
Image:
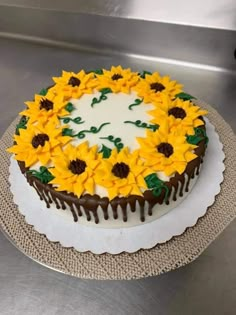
(208, 285)
(198, 47)
(220, 14)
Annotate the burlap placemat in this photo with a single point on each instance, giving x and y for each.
(175, 253)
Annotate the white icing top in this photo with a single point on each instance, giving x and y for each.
(114, 110)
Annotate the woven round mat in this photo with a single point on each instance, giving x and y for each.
(175, 253)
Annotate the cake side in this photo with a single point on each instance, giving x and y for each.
(87, 205)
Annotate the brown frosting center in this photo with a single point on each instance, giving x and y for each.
(177, 112)
(74, 81)
(39, 139)
(165, 148)
(158, 87)
(77, 166)
(120, 170)
(116, 76)
(46, 104)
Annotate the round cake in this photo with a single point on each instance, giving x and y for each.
(111, 147)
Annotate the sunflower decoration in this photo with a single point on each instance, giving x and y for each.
(45, 108)
(117, 79)
(153, 85)
(181, 115)
(38, 143)
(75, 169)
(74, 85)
(122, 174)
(165, 151)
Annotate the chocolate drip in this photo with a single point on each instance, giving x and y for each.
(49, 198)
(92, 206)
(104, 205)
(123, 205)
(63, 206)
(141, 203)
(87, 213)
(114, 206)
(35, 187)
(56, 202)
(78, 209)
(187, 184)
(132, 204)
(44, 195)
(73, 213)
(167, 200)
(175, 187)
(181, 191)
(198, 168)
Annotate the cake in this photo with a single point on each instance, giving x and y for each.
(111, 145)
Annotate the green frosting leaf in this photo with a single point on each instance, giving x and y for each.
(97, 71)
(43, 92)
(185, 96)
(157, 185)
(43, 174)
(143, 74)
(200, 134)
(22, 124)
(69, 107)
(102, 97)
(67, 132)
(106, 152)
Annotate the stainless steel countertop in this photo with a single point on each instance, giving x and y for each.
(206, 286)
(207, 13)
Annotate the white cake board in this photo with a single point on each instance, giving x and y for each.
(58, 228)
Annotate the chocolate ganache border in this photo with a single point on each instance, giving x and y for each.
(90, 203)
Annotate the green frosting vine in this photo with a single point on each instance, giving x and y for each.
(102, 97)
(140, 124)
(43, 174)
(77, 120)
(185, 96)
(43, 92)
(117, 142)
(69, 107)
(106, 152)
(156, 184)
(200, 134)
(143, 74)
(22, 124)
(81, 134)
(137, 102)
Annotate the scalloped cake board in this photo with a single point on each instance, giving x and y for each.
(60, 227)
